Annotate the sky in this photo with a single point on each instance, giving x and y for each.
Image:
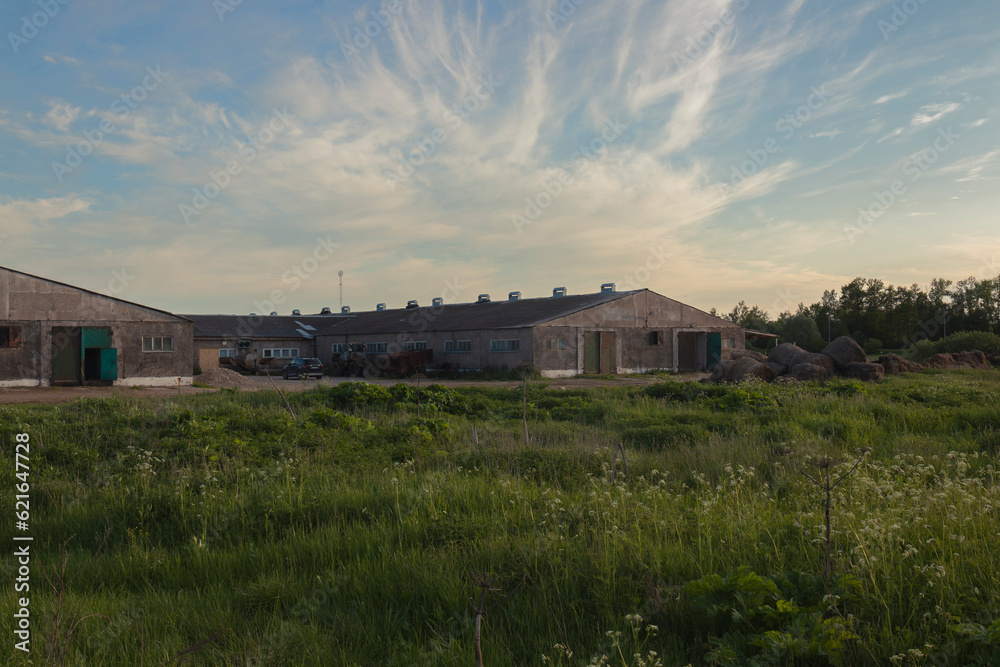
(232, 156)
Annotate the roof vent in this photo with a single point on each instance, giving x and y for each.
(253, 314)
(608, 288)
(345, 310)
(558, 292)
(412, 303)
(273, 313)
(296, 312)
(380, 307)
(514, 296)
(483, 298)
(438, 301)
(326, 311)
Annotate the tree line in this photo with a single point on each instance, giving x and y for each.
(880, 316)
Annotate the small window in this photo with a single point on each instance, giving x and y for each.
(458, 346)
(339, 348)
(224, 352)
(555, 344)
(280, 353)
(412, 345)
(729, 343)
(656, 338)
(376, 348)
(157, 344)
(505, 345)
(358, 347)
(10, 337)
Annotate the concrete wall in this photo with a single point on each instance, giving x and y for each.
(306, 348)
(478, 358)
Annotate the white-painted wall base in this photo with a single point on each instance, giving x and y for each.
(155, 382)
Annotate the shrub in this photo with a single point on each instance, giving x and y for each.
(873, 346)
(965, 341)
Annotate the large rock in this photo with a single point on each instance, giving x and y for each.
(859, 370)
(721, 370)
(809, 372)
(744, 354)
(782, 354)
(845, 350)
(815, 359)
(746, 368)
(895, 365)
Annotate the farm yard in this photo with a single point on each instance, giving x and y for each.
(665, 523)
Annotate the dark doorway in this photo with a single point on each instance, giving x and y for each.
(687, 351)
(100, 360)
(66, 361)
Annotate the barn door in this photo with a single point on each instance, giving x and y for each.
(608, 362)
(592, 352)
(67, 364)
(714, 350)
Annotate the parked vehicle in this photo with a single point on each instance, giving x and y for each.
(303, 367)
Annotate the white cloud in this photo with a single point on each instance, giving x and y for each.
(894, 96)
(933, 112)
(827, 134)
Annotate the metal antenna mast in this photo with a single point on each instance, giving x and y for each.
(340, 274)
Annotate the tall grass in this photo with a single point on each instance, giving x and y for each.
(215, 529)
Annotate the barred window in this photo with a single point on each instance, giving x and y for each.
(458, 346)
(157, 343)
(505, 345)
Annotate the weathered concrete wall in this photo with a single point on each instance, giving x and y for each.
(28, 298)
(478, 358)
(306, 348)
(19, 366)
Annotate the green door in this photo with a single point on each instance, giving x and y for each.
(591, 352)
(67, 364)
(109, 364)
(714, 350)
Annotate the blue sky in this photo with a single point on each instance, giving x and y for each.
(227, 156)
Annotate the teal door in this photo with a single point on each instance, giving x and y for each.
(714, 350)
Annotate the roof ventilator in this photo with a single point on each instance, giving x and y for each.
(558, 292)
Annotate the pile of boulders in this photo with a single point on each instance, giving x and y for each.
(841, 358)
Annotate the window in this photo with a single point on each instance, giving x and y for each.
(339, 348)
(555, 344)
(411, 345)
(505, 345)
(157, 343)
(656, 338)
(10, 336)
(458, 346)
(357, 347)
(224, 352)
(728, 343)
(376, 348)
(281, 353)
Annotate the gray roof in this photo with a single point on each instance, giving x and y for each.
(468, 316)
(260, 326)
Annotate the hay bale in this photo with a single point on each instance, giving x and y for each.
(859, 370)
(896, 365)
(721, 370)
(845, 350)
(743, 354)
(809, 373)
(973, 359)
(782, 354)
(816, 359)
(746, 368)
(778, 369)
(943, 360)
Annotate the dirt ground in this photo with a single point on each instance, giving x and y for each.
(52, 395)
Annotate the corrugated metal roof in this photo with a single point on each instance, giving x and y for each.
(260, 326)
(469, 316)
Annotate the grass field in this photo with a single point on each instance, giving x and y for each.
(219, 529)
